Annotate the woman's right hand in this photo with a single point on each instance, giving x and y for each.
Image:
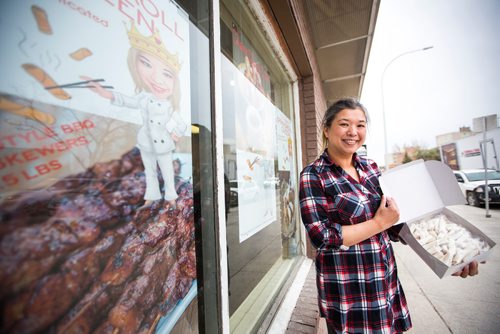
(386, 216)
(388, 213)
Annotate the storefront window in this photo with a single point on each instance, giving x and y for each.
(258, 154)
(104, 148)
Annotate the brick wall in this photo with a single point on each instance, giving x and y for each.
(312, 99)
(313, 102)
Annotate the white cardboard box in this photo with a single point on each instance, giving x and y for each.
(423, 189)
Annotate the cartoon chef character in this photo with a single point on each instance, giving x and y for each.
(155, 73)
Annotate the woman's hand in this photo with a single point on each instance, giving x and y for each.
(97, 88)
(472, 269)
(388, 213)
(175, 138)
(386, 216)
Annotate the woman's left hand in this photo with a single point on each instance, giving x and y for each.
(472, 269)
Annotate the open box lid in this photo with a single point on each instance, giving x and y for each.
(421, 187)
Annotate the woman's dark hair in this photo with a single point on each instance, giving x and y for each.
(335, 108)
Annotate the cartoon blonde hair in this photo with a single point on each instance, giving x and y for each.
(132, 60)
(153, 46)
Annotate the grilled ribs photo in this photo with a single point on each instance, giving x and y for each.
(83, 256)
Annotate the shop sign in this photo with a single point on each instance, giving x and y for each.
(471, 153)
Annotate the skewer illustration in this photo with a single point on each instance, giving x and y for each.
(79, 84)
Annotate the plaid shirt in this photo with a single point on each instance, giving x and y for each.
(358, 287)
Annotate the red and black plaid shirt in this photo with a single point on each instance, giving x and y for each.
(358, 287)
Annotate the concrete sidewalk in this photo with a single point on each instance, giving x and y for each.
(447, 305)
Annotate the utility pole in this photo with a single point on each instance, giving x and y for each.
(383, 102)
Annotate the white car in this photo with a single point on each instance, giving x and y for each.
(472, 183)
(272, 182)
(243, 191)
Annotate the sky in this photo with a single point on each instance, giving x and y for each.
(437, 91)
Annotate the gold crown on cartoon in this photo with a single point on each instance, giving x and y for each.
(154, 46)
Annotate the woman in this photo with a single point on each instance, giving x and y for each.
(155, 73)
(350, 222)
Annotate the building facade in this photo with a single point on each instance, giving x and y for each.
(469, 152)
(150, 154)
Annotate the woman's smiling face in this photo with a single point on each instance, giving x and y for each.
(156, 76)
(347, 132)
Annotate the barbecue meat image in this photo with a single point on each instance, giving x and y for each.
(85, 315)
(43, 308)
(83, 256)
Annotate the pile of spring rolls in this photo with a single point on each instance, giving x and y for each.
(449, 242)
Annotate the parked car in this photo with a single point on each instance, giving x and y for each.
(272, 182)
(472, 183)
(242, 190)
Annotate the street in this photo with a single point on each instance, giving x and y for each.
(453, 304)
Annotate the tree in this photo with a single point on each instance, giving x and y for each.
(428, 154)
(406, 157)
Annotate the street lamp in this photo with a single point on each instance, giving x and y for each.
(383, 102)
